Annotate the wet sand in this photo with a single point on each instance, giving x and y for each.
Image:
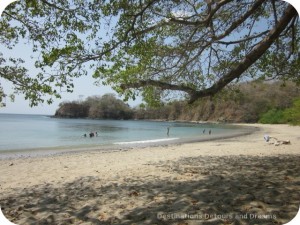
(239, 180)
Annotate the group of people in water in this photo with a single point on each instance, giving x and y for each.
(209, 132)
(91, 134)
(95, 134)
(168, 131)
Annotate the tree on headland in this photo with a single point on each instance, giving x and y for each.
(150, 47)
(96, 107)
(72, 110)
(108, 107)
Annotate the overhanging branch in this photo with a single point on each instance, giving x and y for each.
(289, 14)
(160, 84)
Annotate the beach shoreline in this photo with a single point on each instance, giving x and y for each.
(240, 178)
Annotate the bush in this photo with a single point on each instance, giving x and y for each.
(292, 115)
(273, 116)
(96, 107)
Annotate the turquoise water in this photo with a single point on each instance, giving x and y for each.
(23, 132)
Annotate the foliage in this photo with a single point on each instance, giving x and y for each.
(273, 116)
(96, 107)
(249, 102)
(292, 115)
(147, 47)
(246, 102)
(72, 110)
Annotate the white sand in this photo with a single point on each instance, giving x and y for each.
(242, 178)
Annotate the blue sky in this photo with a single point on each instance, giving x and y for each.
(84, 86)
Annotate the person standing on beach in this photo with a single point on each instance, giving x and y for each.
(168, 131)
(209, 132)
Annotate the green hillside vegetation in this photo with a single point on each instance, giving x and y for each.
(292, 115)
(248, 102)
(273, 116)
(289, 115)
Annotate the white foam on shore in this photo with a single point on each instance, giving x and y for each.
(145, 141)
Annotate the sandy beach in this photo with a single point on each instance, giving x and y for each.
(240, 180)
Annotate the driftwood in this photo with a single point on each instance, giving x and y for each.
(276, 141)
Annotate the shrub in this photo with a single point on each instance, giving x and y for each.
(292, 115)
(273, 116)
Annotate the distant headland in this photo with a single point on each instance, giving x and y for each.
(264, 102)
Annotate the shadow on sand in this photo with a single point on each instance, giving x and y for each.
(209, 190)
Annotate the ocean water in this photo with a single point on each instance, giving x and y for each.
(38, 132)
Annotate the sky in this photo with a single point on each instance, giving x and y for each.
(84, 86)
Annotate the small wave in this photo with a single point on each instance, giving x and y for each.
(145, 141)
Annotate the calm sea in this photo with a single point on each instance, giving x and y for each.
(37, 132)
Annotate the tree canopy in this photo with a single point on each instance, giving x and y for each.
(96, 107)
(151, 48)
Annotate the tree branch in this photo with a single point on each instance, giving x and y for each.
(233, 26)
(243, 18)
(57, 7)
(242, 40)
(207, 20)
(160, 84)
(289, 14)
